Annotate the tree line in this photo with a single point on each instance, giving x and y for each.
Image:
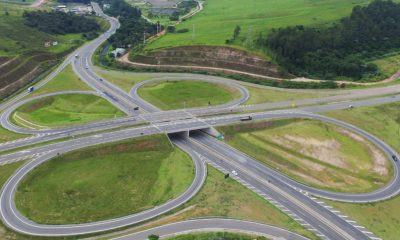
(342, 49)
(59, 22)
(133, 28)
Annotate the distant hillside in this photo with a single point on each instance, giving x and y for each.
(27, 51)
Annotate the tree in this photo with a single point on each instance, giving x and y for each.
(236, 32)
(153, 237)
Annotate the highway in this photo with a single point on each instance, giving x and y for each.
(291, 197)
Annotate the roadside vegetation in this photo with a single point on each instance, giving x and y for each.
(388, 65)
(123, 80)
(265, 95)
(6, 135)
(180, 94)
(66, 80)
(314, 153)
(217, 236)
(64, 110)
(77, 187)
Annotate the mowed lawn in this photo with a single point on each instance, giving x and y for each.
(105, 181)
(315, 153)
(265, 95)
(6, 135)
(123, 80)
(216, 22)
(63, 110)
(217, 235)
(66, 80)
(383, 121)
(179, 94)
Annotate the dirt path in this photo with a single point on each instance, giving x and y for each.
(38, 3)
(125, 59)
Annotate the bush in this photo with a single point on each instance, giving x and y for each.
(183, 30)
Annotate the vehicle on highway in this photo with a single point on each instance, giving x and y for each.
(77, 56)
(395, 158)
(351, 106)
(31, 89)
(234, 172)
(247, 118)
(136, 108)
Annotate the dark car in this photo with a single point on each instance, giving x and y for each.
(395, 158)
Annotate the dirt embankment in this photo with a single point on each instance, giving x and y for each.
(208, 58)
(17, 72)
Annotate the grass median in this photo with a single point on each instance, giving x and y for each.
(217, 236)
(169, 95)
(64, 110)
(317, 154)
(105, 181)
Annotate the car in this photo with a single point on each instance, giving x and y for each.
(100, 79)
(351, 106)
(136, 108)
(234, 172)
(395, 158)
(31, 89)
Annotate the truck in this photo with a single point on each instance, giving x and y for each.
(247, 118)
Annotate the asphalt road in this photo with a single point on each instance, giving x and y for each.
(214, 225)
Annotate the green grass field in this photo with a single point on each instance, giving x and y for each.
(383, 121)
(6, 135)
(66, 80)
(217, 21)
(315, 153)
(265, 95)
(179, 94)
(388, 65)
(217, 236)
(64, 110)
(124, 81)
(20, 38)
(77, 187)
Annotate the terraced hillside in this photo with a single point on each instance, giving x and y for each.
(23, 55)
(209, 56)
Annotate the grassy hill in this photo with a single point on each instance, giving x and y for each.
(217, 21)
(23, 55)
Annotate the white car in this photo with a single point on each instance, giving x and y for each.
(234, 172)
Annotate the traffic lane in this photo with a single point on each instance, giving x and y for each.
(211, 225)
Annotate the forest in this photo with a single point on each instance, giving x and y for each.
(340, 50)
(133, 27)
(59, 22)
